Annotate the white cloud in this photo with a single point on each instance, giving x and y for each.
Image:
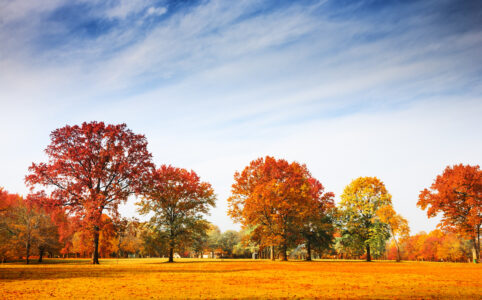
(156, 11)
(213, 93)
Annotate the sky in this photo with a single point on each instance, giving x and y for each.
(391, 89)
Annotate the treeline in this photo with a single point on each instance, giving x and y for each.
(284, 211)
(29, 231)
(433, 246)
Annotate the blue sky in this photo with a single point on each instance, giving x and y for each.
(370, 88)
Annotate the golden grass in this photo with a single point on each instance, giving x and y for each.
(152, 278)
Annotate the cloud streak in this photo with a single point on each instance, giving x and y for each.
(359, 89)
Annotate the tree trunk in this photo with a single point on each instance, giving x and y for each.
(369, 258)
(28, 252)
(476, 243)
(398, 250)
(95, 254)
(40, 254)
(283, 256)
(475, 251)
(272, 252)
(308, 250)
(171, 253)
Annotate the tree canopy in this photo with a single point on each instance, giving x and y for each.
(457, 194)
(276, 198)
(359, 204)
(178, 199)
(92, 168)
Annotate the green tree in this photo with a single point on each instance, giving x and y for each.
(179, 200)
(359, 204)
(229, 239)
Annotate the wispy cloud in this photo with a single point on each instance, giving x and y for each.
(365, 88)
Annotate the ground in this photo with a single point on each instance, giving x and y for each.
(204, 278)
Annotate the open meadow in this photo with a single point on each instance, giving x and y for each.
(188, 278)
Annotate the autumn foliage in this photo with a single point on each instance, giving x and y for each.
(457, 194)
(178, 199)
(277, 198)
(359, 212)
(72, 209)
(92, 168)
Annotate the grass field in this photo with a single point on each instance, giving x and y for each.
(153, 278)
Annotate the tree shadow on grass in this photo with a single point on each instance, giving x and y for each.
(14, 273)
(202, 262)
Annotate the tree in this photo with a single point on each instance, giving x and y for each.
(213, 239)
(359, 204)
(92, 168)
(397, 224)
(317, 229)
(8, 202)
(229, 239)
(178, 199)
(457, 194)
(318, 234)
(30, 228)
(128, 237)
(152, 240)
(275, 198)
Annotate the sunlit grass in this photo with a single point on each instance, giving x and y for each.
(195, 278)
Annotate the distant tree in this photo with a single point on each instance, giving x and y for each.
(8, 202)
(229, 239)
(359, 204)
(30, 228)
(92, 168)
(199, 239)
(246, 246)
(48, 237)
(154, 242)
(128, 236)
(275, 198)
(213, 239)
(457, 194)
(178, 200)
(397, 224)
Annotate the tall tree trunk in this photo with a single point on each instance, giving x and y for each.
(477, 244)
(475, 251)
(398, 250)
(284, 248)
(28, 252)
(40, 254)
(369, 258)
(272, 252)
(95, 254)
(171, 252)
(308, 250)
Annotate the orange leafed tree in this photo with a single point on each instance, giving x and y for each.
(276, 198)
(91, 169)
(397, 224)
(457, 194)
(8, 202)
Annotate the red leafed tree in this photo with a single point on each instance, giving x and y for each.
(276, 198)
(92, 168)
(457, 194)
(178, 199)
